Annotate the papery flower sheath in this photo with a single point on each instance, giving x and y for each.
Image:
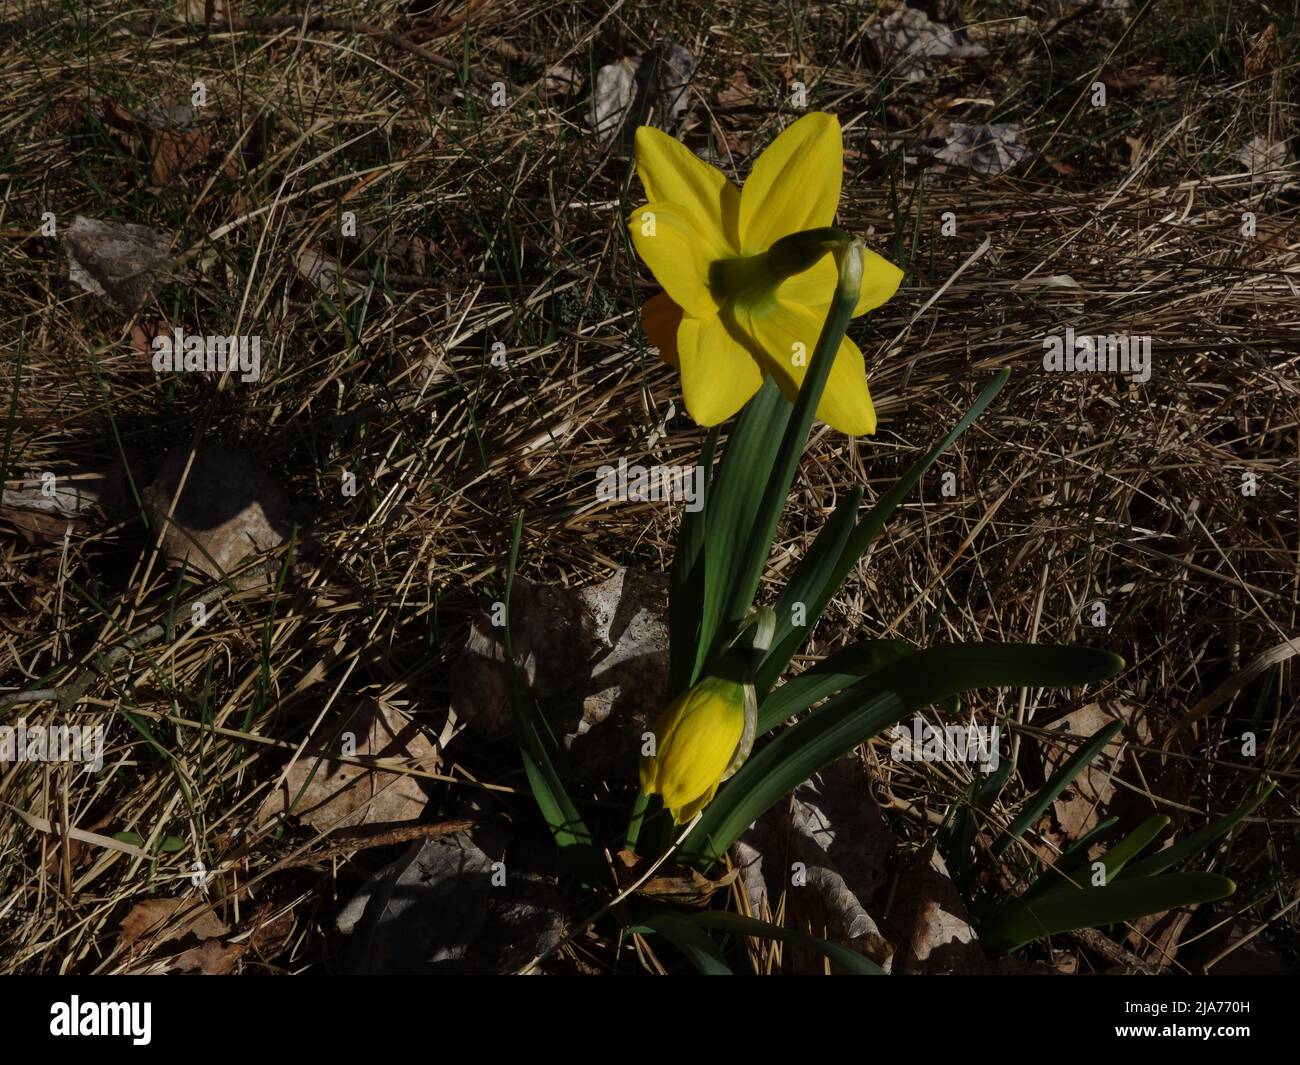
(730, 311)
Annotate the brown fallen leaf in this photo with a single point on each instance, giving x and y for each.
(212, 957)
(1263, 54)
(1144, 76)
(1089, 795)
(327, 794)
(167, 919)
(74, 504)
(931, 924)
(687, 887)
(326, 274)
(168, 137)
(194, 11)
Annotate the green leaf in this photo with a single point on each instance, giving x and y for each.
(1124, 900)
(779, 475)
(849, 960)
(734, 500)
(979, 798)
(1112, 861)
(860, 712)
(808, 586)
(843, 669)
(1060, 780)
(562, 817)
(867, 530)
(1131, 846)
(1060, 873)
(686, 580)
(1198, 841)
(690, 939)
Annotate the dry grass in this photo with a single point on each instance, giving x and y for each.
(1072, 490)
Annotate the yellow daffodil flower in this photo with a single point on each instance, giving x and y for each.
(697, 743)
(730, 311)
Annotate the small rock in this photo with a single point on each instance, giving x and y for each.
(229, 509)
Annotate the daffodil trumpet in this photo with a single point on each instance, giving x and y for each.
(706, 733)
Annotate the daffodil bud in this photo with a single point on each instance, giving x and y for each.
(696, 740)
(706, 733)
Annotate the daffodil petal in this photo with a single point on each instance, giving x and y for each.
(719, 375)
(678, 255)
(673, 173)
(786, 336)
(815, 288)
(795, 184)
(682, 814)
(660, 318)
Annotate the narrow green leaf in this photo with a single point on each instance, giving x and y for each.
(561, 816)
(780, 474)
(1131, 845)
(1061, 872)
(690, 939)
(734, 501)
(849, 960)
(686, 580)
(856, 544)
(1059, 781)
(870, 526)
(843, 669)
(1198, 841)
(860, 712)
(979, 799)
(1124, 900)
(808, 585)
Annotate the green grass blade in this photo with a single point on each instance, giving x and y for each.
(862, 711)
(1124, 900)
(1198, 841)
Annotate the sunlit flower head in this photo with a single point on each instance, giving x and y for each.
(728, 314)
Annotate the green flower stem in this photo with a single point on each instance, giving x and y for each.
(634, 824)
